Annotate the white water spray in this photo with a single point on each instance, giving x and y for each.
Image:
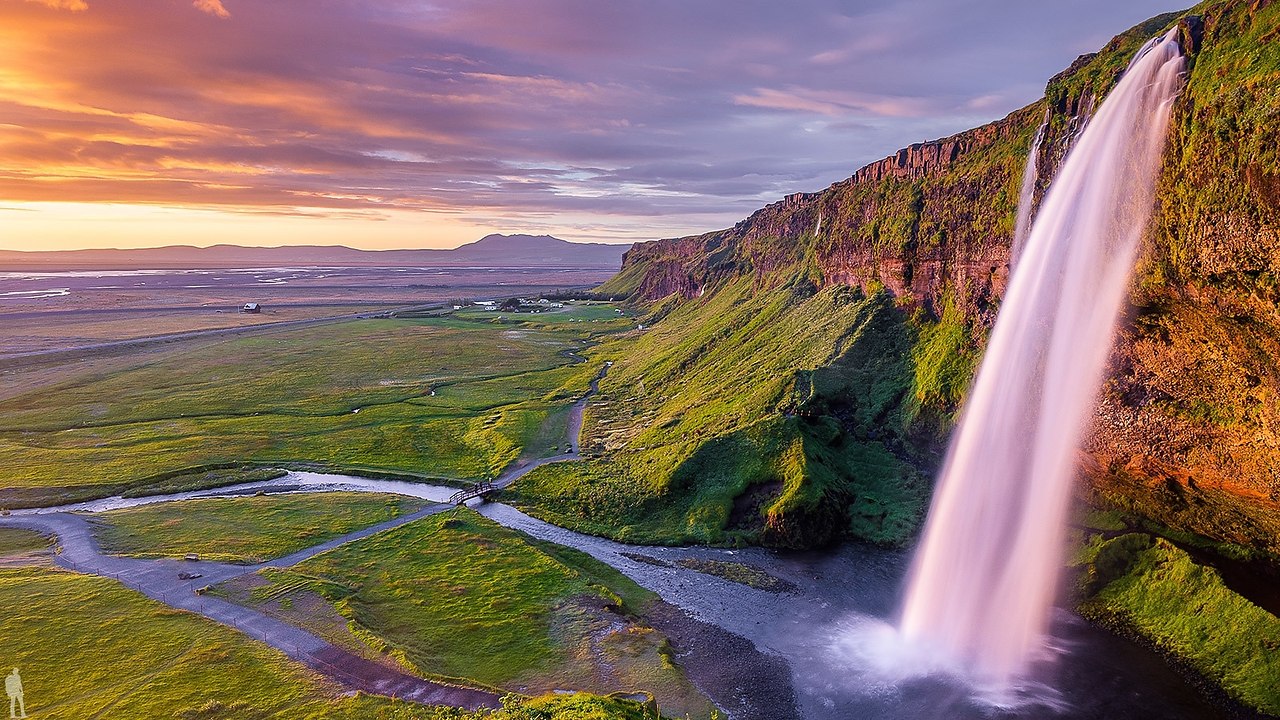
(983, 580)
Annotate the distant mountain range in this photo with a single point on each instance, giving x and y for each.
(489, 251)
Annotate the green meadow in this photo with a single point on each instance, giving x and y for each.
(440, 398)
(456, 596)
(243, 529)
(89, 648)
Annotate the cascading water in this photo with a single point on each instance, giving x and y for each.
(984, 577)
(1027, 195)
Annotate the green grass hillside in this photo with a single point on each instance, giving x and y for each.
(764, 404)
(1148, 586)
(777, 415)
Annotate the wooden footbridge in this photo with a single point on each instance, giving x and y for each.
(478, 490)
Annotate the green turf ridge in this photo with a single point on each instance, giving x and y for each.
(1150, 587)
(244, 529)
(457, 597)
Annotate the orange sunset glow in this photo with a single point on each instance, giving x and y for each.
(130, 123)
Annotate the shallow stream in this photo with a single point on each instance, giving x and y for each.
(849, 592)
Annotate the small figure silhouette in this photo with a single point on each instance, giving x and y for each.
(13, 688)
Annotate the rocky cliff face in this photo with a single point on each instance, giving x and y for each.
(1189, 426)
(930, 218)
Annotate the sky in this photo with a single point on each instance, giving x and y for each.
(415, 124)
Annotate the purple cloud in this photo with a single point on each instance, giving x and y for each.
(635, 116)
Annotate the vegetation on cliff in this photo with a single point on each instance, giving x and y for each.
(1190, 426)
(741, 415)
(775, 415)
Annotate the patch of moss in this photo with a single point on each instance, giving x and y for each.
(1149, 586)
(740, 573)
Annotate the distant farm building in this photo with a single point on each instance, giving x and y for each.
(525, 305)
(251, 308)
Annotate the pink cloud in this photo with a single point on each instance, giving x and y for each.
(834, 103)
(74, 5)
(213, 7)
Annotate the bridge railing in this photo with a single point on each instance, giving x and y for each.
(476, 490)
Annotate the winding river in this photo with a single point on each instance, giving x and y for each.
(1095, 674)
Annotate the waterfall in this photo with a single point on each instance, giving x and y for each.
(1027, 195)
(984, 577)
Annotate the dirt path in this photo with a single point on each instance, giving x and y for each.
(520, 468)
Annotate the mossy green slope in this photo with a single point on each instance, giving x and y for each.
(1149, 586)
(931, 226)
(803, 367)
(774, 415)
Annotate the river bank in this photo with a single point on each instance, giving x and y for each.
(798, 640)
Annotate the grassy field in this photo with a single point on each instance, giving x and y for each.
(457, 596)
(89, 648)
(14, 541)
(745, 415)
(441, 398)
(245, 529)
